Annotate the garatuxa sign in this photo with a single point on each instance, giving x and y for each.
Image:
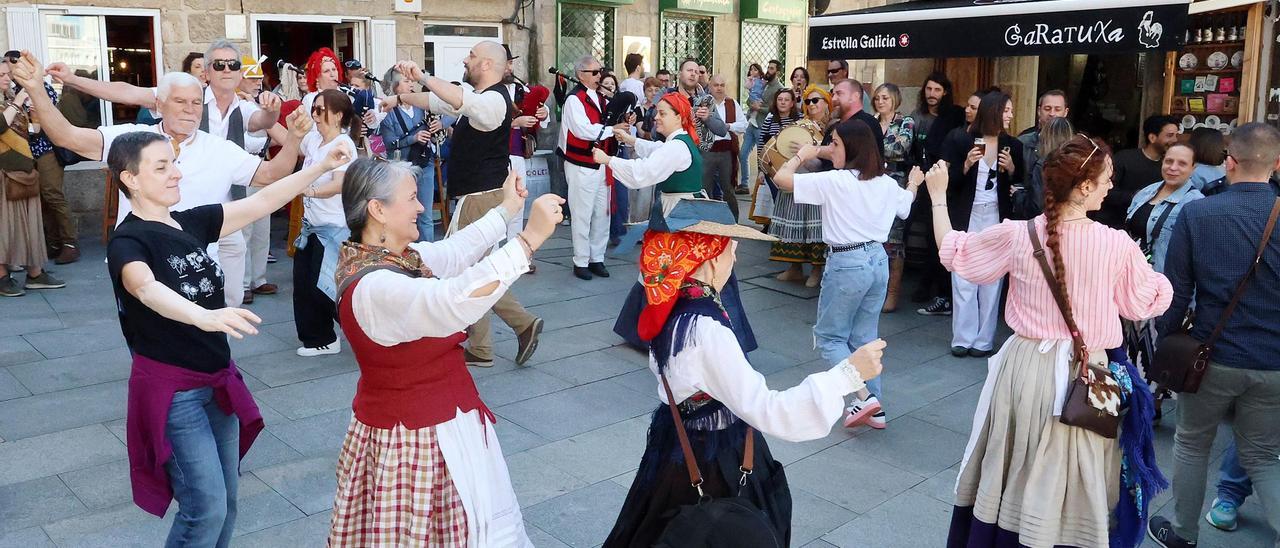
(998, 28)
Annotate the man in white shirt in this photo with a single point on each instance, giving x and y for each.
(581, 129)
(210, 166)
(223, 109)
(480, 152)
(634, 63)
(720, 164)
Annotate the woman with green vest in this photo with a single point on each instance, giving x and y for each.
(675, 167)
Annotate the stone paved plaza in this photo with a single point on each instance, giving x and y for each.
(572, 424)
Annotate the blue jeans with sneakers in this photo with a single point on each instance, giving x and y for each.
(1233, 483)
(854, 285)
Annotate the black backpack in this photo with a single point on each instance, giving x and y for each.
(730, 522)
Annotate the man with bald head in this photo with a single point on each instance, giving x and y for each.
(720, 164)
(480, 156)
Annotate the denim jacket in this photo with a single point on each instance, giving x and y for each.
(331, 237)
(1205, 174)
(1160, 246)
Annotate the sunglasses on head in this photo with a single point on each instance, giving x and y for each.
(225, 64)
(813, 100)
(595, 72)
(1090, 156)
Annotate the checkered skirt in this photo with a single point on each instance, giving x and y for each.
(394, 490)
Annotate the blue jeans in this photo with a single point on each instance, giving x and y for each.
(749, 140)
(427, 196)
(204, 470)
(1233, 483)
(854, 285)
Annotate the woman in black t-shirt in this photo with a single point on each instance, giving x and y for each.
(188, 407)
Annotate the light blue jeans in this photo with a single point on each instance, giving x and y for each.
(204, 470)
(1233, 482)
(854, 285)
(749, 140)
(427, 197)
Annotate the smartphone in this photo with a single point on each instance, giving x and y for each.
(980, 144)
(1006, 150)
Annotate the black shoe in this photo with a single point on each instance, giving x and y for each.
(1161, 531)
(939, 307)
(475, 361)
(528, 341)
(598, 269)
(582, 273)
(959, 351)
(975, 353)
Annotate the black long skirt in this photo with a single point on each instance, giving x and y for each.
(657, 495)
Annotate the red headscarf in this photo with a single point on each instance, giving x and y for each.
(666, 259)
(316, 61)
(681, 105)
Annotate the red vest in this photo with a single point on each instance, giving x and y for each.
(578, 151)
(418, 384)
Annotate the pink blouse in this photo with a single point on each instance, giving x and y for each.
(1107, 278)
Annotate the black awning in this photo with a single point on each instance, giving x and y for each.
(999, 28)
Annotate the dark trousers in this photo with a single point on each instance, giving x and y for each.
(59, 227)
(935, 281)
(717, 173)
(313, 311)
(621, 211)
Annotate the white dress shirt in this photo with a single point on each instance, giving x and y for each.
(484, 110)
(737, 125)
(575, 120)
(655, 162)
(717, 366)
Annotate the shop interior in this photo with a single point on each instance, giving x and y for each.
(295, 41)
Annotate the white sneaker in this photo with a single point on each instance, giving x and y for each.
(861, 411)
(878, 420)
(322, 350)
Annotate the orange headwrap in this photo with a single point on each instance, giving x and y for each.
(681, 105)
(805, 96)
(316, 61)
(666, 260)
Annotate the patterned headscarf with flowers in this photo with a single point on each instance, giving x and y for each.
(684, 109)
(666, 261)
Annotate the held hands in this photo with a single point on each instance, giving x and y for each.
(410, 70)
(299, 123)
(936, 180)
(623, 136)
(236, 322)
(600, 157)
(389, 102)
(866, 360)
(60, 72)
(338, 156)
(915, 178)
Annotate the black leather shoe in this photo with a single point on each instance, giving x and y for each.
(598, 269)
(959, 351)
(582, 273)
(975, 353)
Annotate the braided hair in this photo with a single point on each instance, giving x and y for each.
(1080, 160)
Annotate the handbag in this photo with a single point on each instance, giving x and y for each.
(729, 521)
(530, 143)
(1093, 399)
(1181, 361)
(20, 185)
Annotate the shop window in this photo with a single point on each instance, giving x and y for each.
(760, 44)
(585, 30)
(115, 48)
(687, 37)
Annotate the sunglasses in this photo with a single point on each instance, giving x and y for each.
(813, 100)
(225, 64)
(833, 71)
(595, 72)
(991, 179)
(1090, 156)
(702, 72)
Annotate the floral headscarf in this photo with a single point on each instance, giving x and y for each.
(681, 105)
(666, 261)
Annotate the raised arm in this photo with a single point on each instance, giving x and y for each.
(86, 142)
(286, 160)
(267, 114)
(238, 214)
(116, 92)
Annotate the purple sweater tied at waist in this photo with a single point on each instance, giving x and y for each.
(152, 385)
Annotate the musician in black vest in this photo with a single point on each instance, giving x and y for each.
(480, 151)
(224, 114)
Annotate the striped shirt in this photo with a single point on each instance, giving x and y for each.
(1107, 278)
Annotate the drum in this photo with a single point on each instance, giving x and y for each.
(779, 149)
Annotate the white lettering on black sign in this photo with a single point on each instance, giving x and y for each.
(1040, 34)
(860, 42)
